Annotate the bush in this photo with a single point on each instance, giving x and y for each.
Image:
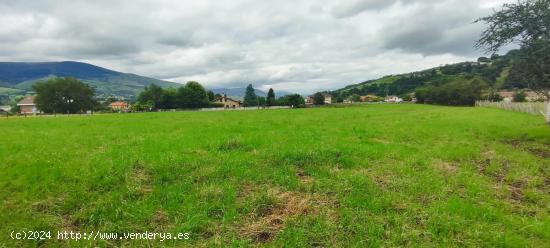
(520, 96)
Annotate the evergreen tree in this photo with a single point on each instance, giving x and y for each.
(270, 101)
(250, 98)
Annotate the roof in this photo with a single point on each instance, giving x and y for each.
(229, 99)
(118, 104)
(27, 101)
(511, 94)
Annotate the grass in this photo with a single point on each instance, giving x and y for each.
(376, 175)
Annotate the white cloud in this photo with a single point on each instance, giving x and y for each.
(300, 46)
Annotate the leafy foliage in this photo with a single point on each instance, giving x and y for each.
(460, 92)
(153, 94)
(190, 96)
(64, 95)
(318, 98)
(527, 23)
(520, 96)
(293, 100)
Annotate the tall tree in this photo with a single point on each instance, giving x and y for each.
(270, 100)
(64, 95)
(526, 22)
(250, 98)
(318, 98)
(168, 99)
(151, 94)
(192, 95)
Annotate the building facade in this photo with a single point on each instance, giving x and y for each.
(229, 102)
(27, 106)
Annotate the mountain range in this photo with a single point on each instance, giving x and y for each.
(18, 78)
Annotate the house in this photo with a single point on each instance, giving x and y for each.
(531, 96)
(27, 106)
(368, 98)
(229, 102)
(119, 106)
(309, 100)
(328, 98)
(393, 99)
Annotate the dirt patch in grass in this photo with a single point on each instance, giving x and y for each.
(540, 151)
(68, 224)
(516, 190)
(446, 167)
(537, 149)
(265, 226)
(489, 158)
(233, 145)
(139, 180)
(304, 177)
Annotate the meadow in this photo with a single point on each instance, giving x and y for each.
(364, 176)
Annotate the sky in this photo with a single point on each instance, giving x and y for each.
(299, 46)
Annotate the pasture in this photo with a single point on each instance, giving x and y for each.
(375, 175)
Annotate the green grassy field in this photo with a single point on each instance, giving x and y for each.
(376, 175)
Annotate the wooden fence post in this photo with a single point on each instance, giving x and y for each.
(548, 112)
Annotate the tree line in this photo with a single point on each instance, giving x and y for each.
(66, 95)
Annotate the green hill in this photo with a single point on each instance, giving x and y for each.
(18, 78)
(494, 70)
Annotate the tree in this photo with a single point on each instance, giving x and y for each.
(168, 99)
(14, 109)
(211, 96)
(270, 100)
(520, 96)
(262, 101)
(192, 95)
(318, 98)
(355, 98)
(153, 94)
(64, 95)
(493, 96)
(526, 22)
(460, 92)
(293, 100)
(250, 98)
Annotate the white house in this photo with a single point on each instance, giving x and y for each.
(393, 99)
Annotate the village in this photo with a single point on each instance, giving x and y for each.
(27, 106)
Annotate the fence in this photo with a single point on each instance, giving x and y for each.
(534, 108)
(243, 108)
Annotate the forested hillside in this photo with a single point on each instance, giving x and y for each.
(495, 71)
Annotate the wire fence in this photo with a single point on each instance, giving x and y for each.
(534, 108)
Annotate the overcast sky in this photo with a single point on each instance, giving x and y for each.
(300, 45)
